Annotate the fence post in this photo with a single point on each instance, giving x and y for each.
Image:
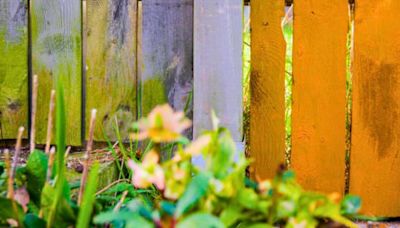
(13, 67)
(375, 159)
(267, 120)
(218, 26)
(57, 55)
(111, 29)
(319, 94)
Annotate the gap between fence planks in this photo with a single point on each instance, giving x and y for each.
(57, 55)
(13, 67)
(267, 121)
(375, 159)
(167, 48)
(319, 94)
(111, 65)
(218, 41)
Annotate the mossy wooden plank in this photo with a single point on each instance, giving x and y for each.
(111, 65)
(167, 47)
(319, 94)
(57, 55)
(13, 67)
(267, 121)
(218, 42)
(375, 159)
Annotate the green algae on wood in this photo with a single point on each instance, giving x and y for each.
(167, 47)
(13, 67)
(111, 65)
(57, 55)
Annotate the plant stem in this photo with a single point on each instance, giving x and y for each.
(33, 112)
(10, 180)
(50, 121)
(87, 156)
(121, 201)
(50, 164)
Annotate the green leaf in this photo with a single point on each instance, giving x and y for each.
(36, 169)
(33, 221)
(10, 210)
(223, 159)
(231, 215)
(89, 197)
(202, 220)
(196, 190)
(350, 205)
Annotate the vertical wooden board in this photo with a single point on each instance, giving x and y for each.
(319, 94)
(111, 65)
(267, 110)
(57, 55)
(218, 40)
(375, 159)
(13, 67)
(167, 48)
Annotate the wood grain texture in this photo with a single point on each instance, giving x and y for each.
(13, 67)
(111, 65)
(218, 41)
(319, 94)
(267, 121)
(57, 55)
(375, 159)
(167, 48)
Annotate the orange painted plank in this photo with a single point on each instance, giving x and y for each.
(319, 94)
(375, 158)
(267, 108)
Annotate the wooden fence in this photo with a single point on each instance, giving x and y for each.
(124, 57)
(121, 57)
(318, 154)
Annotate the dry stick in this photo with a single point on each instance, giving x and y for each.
(15, 162)
(121, 201)
(67, 152)
(33, 112)
(10, 181)
(50, 164)
(87, 156)
(50, 121)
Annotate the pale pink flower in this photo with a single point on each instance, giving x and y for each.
(162, 125)
(148, 172)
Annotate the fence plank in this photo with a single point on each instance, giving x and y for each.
(218, 63)
(319, 94)
(13, 67)
(57, 55)
(376, 107)
(167, 48)
(267, 122)
(111, 65)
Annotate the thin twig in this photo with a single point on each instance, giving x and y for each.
(50, 164)
(17, 151)
(121, 201)
(87, 156)
(50, 121)
(10, 181)
(67, 152)
(33, 112)
(111, 185)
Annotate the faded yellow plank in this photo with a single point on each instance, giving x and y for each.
(319, 94)
(111, 65)
(375, 159)
(57, 55)
(13, 67)
(267, 123)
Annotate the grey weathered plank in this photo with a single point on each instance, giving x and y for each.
(57, 55)
(218, 64)
(167, 48)
(13, 67)
(111, 64)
